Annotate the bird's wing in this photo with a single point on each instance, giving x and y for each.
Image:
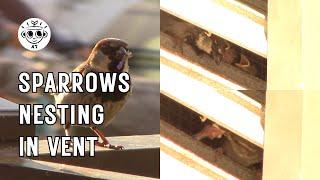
(81, 67)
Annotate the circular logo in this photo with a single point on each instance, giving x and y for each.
(34, 34)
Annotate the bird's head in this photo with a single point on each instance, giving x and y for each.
(110, 55)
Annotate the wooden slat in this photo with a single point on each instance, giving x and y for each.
(259, 5)
(206, 101)
(20, 168)
(140, 157)
(224, 70)
(212, 16)
(199, 156)
(214, 81)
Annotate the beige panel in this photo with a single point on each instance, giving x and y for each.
(282, 135)
(282, 148)
(310, 43)
(311, 100)
(310, 135)
(284, 42)
(292, 128)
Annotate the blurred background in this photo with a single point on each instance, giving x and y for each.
(76, 26)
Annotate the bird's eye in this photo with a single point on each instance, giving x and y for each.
(39, 33)
(30, 33)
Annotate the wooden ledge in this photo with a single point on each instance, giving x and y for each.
(140, 157)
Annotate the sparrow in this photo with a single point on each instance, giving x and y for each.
(203, 42)
(108, 55)
(223, 50)
(233, 146)
(246, 65)
(210, 130)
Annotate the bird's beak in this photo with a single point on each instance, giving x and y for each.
(126, 56)
(129, 54)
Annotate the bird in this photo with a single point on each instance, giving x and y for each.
(246, 65)
(108, 55)
(210, 130)
(222, 50)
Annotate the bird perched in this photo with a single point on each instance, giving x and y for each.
(108, 55)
